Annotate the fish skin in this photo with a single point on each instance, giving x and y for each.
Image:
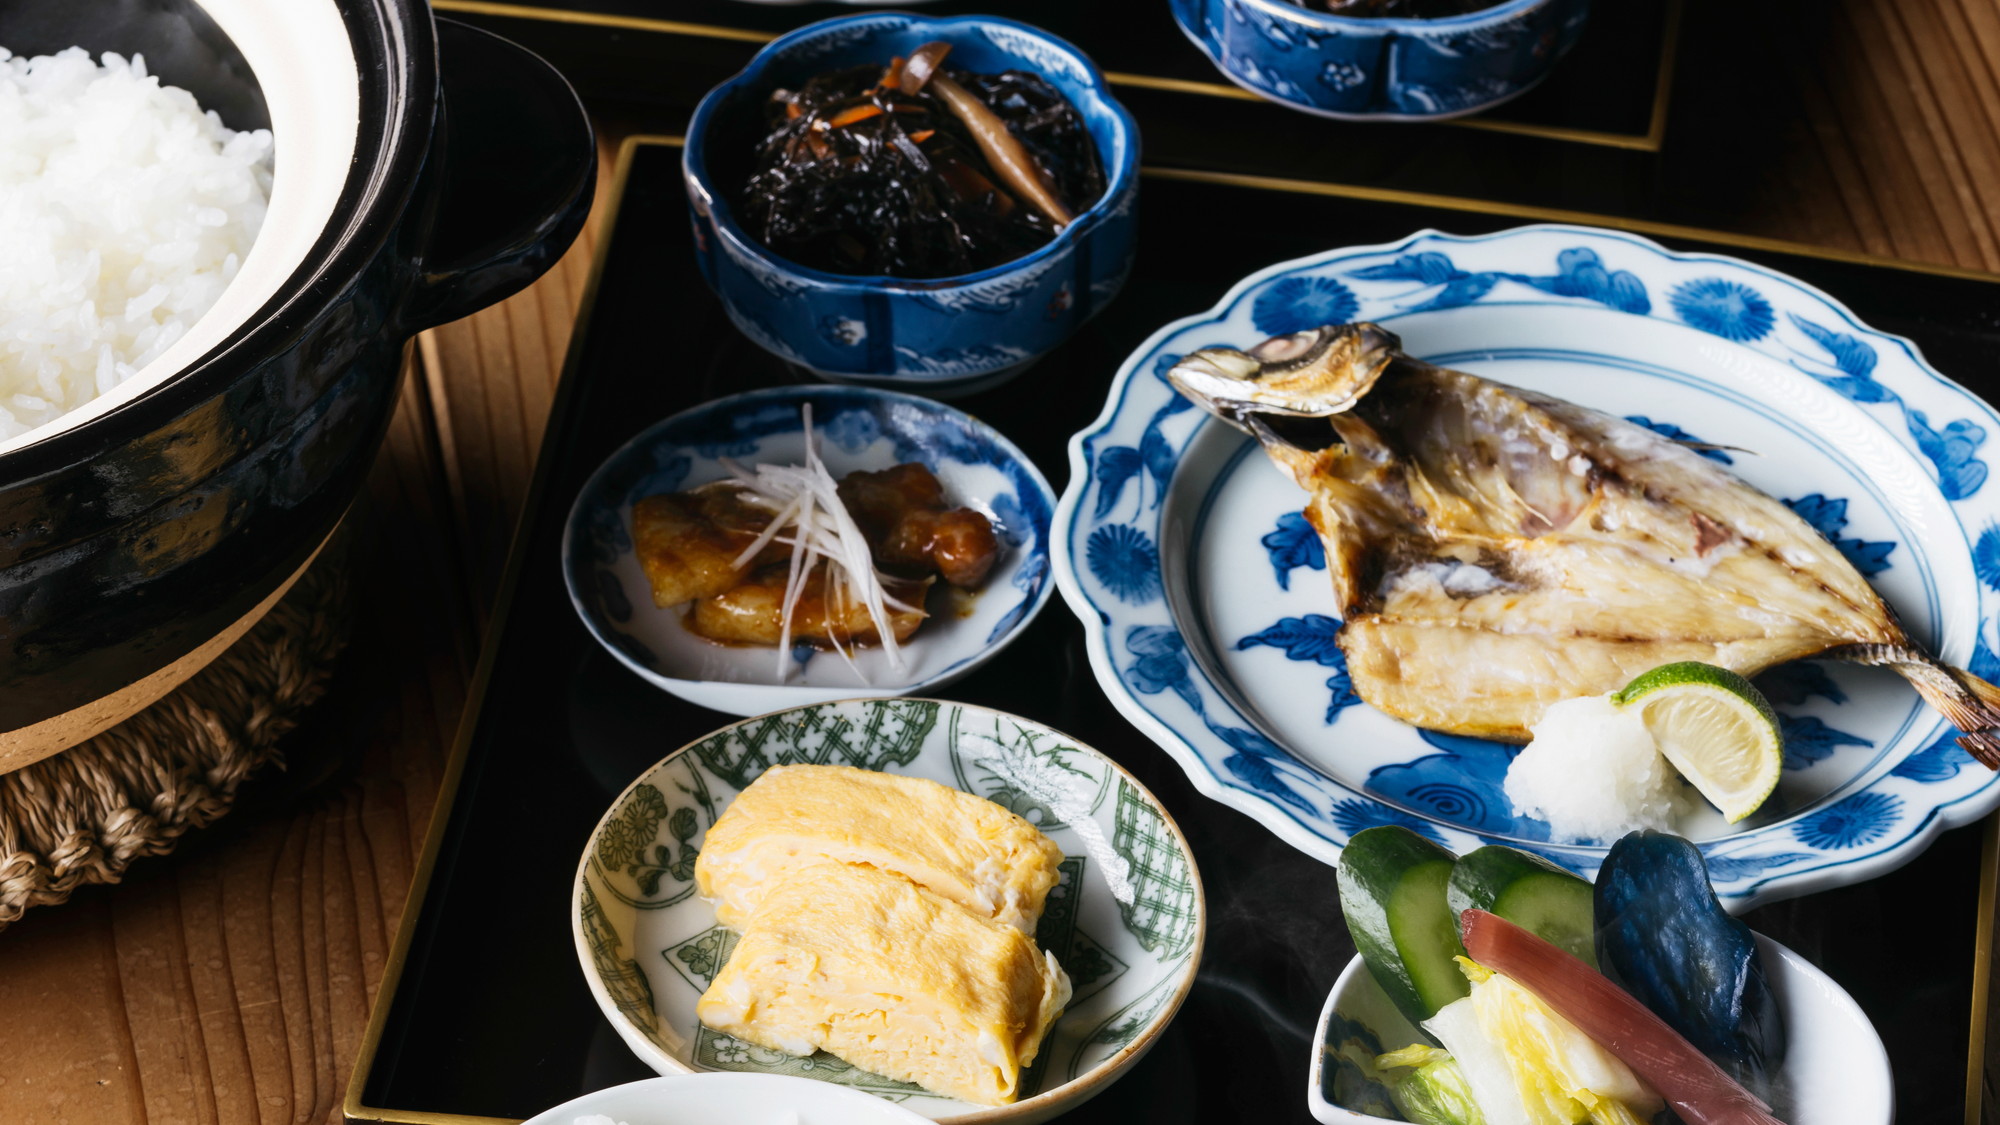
(1494, 550)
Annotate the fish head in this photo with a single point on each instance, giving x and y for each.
(1311, 374)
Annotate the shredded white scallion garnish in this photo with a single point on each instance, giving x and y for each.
(808, 516)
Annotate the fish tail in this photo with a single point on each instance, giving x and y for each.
(1970, 703)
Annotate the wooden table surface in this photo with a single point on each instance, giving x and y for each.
(231, 982)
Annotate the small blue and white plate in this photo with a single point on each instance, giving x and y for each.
(1210, 621)
(857, 429)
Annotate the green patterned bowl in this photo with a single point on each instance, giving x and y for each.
(1126, 922)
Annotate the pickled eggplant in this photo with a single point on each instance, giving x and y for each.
(918, 170)
(1664, 938)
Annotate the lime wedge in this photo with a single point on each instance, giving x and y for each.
(1716, 728)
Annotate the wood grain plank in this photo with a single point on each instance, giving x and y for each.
(1970, 98)
(212, 987)
(1875, 109)
(68, 1052)
(1820, 195)
(347, 960)
(1930, 81)
(1871, 128)
(1981, 44)
(173, 1059)
(246, 876)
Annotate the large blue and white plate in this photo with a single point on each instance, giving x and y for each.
(1210, 618)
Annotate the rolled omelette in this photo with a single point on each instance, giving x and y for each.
(965, 848)
(891, 977)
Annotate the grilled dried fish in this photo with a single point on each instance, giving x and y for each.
(1495, 550)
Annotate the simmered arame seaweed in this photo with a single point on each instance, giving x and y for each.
(858, 176)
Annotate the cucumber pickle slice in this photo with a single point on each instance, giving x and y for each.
(1530, 892)
(1392, 890)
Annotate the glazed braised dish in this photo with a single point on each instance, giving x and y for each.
(1495, 551)
(128, 210)
(886, 920)
(1546, 998)
(786, 555)
(918, 170)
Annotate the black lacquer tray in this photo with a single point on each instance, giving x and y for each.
(484, 1013)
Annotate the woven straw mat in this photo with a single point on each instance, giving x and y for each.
(84, 815)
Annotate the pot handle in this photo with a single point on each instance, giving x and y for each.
(508, 181)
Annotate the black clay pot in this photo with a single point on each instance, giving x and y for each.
(437, 170)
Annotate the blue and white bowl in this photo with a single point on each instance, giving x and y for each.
(950, 334)
(856, 428)
(1383, 69)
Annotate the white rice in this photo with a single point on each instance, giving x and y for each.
(124, 212)
(1594, 773)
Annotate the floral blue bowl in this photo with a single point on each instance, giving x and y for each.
(1383, 69)
(950, 334)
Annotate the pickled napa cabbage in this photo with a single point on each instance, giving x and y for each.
(1527, 1065)
(1428, 1087)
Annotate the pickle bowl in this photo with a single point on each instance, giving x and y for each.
(948, 335)
(855, 428)
(1836, 1071)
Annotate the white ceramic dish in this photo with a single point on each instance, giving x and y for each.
(729, 1099)
(1181, 549)
(857, 428)
(1835, 1064)
(1126, 922)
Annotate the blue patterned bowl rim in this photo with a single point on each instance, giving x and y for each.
(1037, 549)
(1121, 168)
(1504, 10)
(1744, 869)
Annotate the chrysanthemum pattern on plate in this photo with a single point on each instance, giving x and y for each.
(1857, 820)
(1728, 309)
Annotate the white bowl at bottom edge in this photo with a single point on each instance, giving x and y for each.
(730, 1099)
(1034, 1111)
(1835, 1064)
